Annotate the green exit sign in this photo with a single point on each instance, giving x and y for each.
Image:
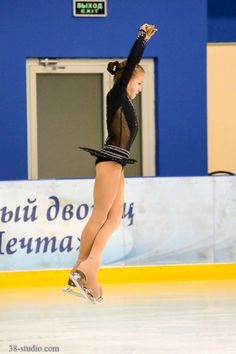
(90, 8)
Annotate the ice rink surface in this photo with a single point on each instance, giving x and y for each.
(175, 318)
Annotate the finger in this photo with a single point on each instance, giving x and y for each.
(144, 26)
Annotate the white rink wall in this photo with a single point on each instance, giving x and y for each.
(165, 221)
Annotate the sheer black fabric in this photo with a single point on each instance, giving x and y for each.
(122, 123)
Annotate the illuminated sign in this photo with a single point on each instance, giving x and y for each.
(90, 8)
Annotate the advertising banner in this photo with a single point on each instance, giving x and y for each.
(165, 221)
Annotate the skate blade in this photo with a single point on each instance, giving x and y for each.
(84, 291)
(69, 290)
(72, 291)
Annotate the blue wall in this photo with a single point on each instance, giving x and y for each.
(47, 29)
(221, 21)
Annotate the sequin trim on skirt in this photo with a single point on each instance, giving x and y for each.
(111, 153)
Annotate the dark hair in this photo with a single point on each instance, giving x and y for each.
(115, 68)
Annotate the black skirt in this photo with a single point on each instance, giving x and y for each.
(111, 153)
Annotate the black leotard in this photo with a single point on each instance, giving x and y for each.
(122, 123)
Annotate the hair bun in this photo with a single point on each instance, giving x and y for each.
(113, 67)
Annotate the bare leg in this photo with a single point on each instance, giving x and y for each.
(90, 266)
(106, 187)
(106, 216)
(112, 222)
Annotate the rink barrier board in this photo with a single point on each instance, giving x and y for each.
(119, 275)
(165, 221)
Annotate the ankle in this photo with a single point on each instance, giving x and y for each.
(94, 260)
(80, 260)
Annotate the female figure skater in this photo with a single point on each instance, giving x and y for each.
(108, 195)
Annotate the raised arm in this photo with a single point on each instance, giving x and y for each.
(145, 33)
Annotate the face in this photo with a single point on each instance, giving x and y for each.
(135, 84)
